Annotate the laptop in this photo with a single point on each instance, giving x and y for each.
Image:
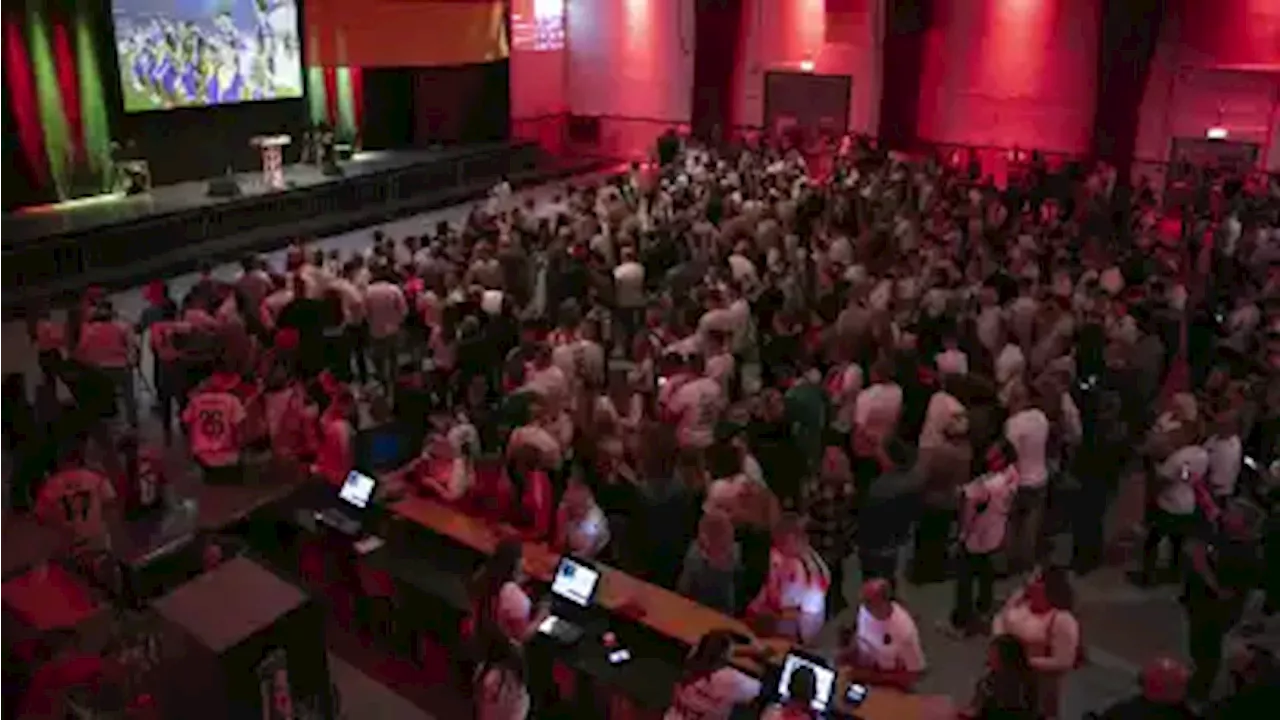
(573, 589)
(824, 674)
(354, 498)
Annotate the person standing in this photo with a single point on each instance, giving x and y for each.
(984, 520)
(827, 502)
(385, 309)
(1027, 430)
(1173, 513)
(1041, 617)
(1224, 566)
(110, 347)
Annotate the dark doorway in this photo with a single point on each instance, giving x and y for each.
(805, 101)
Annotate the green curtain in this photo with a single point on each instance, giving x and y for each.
(57, 135)
(346, 105)
(317, 97)
(95, 126)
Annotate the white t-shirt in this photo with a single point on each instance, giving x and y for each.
(943, 410)
(713, 697)
(889, 644)
(987, 502)
(1010, 364)
(697, 406)
(878, 408)
(1225, 457)
(386, 309)
(628, 281)
(952, 362)
(501, 697)
(1178, 473)
(1028, 432)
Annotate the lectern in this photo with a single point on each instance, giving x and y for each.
(271, 147)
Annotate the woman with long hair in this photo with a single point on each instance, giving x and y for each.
(709, 687)
(500, 608)
(793, 600)
(1041, 617)
(500, 691)
(1007, 691)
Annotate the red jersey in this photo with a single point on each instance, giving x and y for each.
(213, 419)
(74, 499)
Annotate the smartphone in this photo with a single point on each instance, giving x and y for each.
(1251, 463)
(855, 694)
(619, 656)
(548, 625)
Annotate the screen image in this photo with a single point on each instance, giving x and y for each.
(825, 676)
(575, 582)
(357, 489)
(185, 53)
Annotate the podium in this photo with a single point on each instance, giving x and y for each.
(271, 147)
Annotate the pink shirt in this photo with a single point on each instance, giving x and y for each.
(385, 308)
(985, 517)
(106, 344)
(334, 458)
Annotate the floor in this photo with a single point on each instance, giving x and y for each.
(1123, 626)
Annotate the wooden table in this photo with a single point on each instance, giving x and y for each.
(666, 612)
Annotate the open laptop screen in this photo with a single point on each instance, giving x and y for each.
(575, 581)
(358, 489)
(824, 675)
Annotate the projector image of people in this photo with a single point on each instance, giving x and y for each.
(176, 53)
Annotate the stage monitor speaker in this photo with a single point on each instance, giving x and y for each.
(255, 646)
(224, 187)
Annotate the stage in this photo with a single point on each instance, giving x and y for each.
(55, 250)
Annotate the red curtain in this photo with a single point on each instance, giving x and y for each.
(68, 82)
(22, 101)
(717, 26)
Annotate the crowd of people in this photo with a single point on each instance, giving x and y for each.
(731, 376)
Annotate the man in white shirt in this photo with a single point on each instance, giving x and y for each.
(385, 309)
(884, 647)
(1173, 514)
(1027, 430)
(984, 521)
(878, 407)
(696, 407)
(628, 288)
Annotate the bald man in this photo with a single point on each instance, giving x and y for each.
(1164, 694)
(883, 648)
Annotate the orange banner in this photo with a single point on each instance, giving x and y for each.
(404, 33)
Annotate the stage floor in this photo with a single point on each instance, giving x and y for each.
(83, 214)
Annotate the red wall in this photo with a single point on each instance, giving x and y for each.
(1010, 72)
(1231, 32)
(838, 36)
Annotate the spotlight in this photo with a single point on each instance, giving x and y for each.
(1216, 132)
(806, 65)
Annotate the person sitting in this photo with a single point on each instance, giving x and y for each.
(883, 648)
(709, 688)
(1164, 695)
(501, 691)
(500, 608)
(1007, 691)
(712, 564)
(581, 527)
(793, 601)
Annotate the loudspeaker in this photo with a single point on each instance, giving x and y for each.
(255, 647)
(223, 187)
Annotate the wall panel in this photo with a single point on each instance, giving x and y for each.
(1011, 72)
